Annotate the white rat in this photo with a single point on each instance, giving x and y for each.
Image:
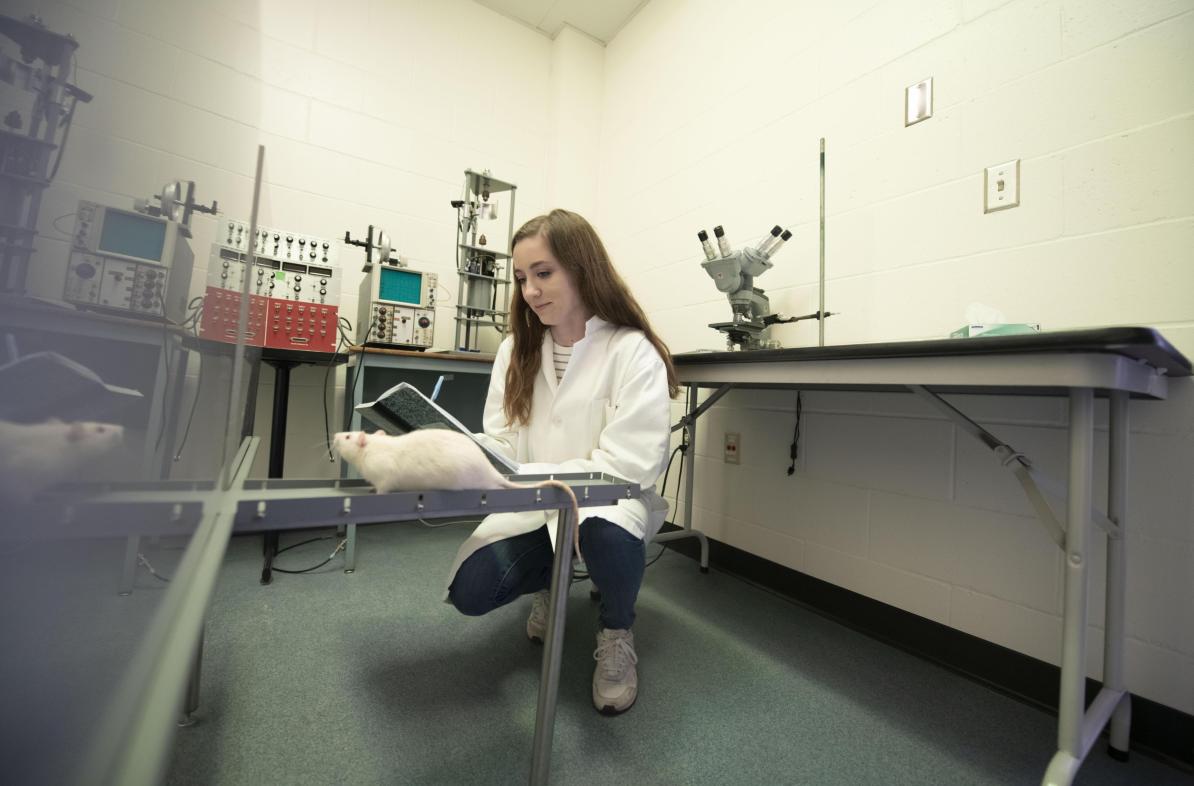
(36, 456)
(430, 459)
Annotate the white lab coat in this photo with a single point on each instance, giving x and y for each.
(610, 413)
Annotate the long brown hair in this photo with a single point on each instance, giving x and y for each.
(575, 244)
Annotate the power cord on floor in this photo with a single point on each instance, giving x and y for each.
(331, 556)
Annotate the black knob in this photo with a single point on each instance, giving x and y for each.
(290, 238)
(424, 322)
(276, 236)
(323, 281)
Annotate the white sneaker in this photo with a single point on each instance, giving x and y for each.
(615, 680)
(537, 622)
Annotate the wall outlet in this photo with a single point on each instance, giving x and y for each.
(732, 447)
(1001, 186)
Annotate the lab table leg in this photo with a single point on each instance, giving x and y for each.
(549, 681)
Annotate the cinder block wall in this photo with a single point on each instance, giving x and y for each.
(369, 113)
(890, 500)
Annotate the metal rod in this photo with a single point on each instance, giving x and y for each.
(549, 681)
(692, 447)
(232, 436)
(1073, 645)
(821, 276)
(1117, 560)
(1097, 715)
(191, 704)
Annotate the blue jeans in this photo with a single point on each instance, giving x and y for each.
(496, 574)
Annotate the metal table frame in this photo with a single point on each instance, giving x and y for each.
(132, 741)
(929, 371)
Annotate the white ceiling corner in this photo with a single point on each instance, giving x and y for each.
(599, 20)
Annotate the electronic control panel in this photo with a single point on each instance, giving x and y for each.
(396, 307)
(402, 326)
(293, 286)
(128, 262)
(221, 303)
(117, 285)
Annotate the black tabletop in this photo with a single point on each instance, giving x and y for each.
(266, 354)
(1138, 343)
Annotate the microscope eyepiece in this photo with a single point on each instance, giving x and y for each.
(722, 244)
(710, 254)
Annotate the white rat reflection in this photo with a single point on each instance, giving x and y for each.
(37, 456)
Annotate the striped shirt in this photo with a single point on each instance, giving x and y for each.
(561, 355)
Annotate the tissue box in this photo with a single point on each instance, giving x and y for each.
(1009, 329)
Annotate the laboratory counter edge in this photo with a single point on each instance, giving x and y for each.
(1137, 343)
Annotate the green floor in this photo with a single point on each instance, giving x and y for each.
(369, 678)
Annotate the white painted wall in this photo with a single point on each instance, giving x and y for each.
(369, 112)
(574, 141)
(712, 115)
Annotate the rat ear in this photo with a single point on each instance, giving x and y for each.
(361, 439)
(75, 432)
(379, 432)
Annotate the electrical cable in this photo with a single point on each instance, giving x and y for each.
(331, 556)
(794, 451)
(191, 417)
(360, 363)
(197, 309)
(682, 449)
(327, 427)
(303, 542)
(141, 559)
(67, 121)
(341, 324)
(662, 548)
(165, 385)
(59, 229)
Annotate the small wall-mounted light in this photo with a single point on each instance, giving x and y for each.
(918, 102)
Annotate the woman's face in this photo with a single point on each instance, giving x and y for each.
(545, 285)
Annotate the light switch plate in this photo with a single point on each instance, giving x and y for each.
(918, 102)
(1001, 186)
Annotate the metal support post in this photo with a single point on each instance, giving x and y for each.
(277, 453)
(689, 424)
(1117, 560)
(191, 701)
(128, 574)
(549, 681)
(1072, 702)
(350, 549)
